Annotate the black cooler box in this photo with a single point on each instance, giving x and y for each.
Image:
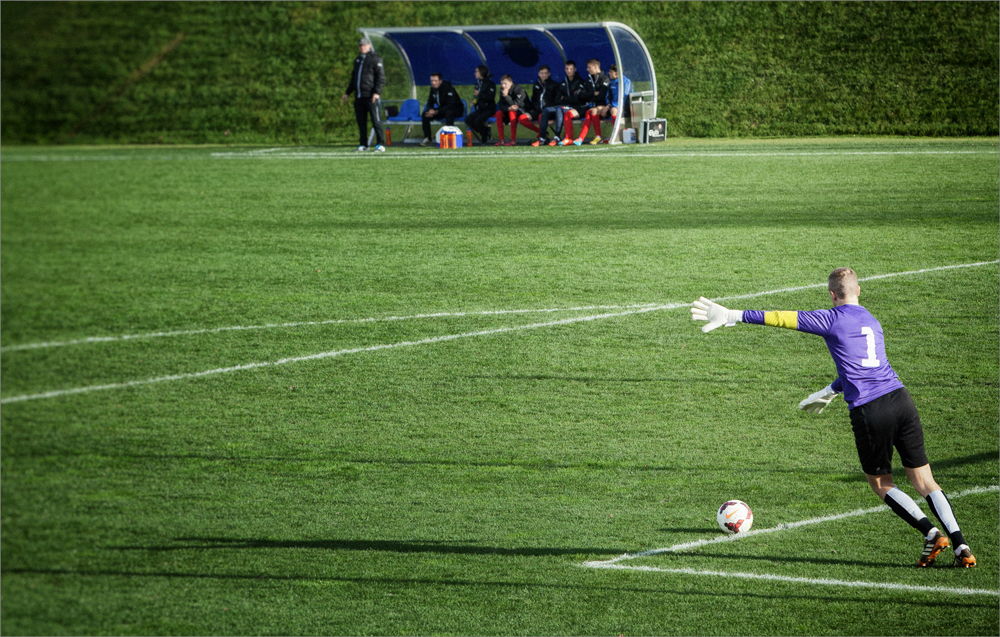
(652, 130)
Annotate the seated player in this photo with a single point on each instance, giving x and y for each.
(483, 105)
(512, 105)
(622, 85)
(543, 96)
(442, 103)
(597, 96)
(882, 412)
(572, 99)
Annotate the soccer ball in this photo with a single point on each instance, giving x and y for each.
(735, 517)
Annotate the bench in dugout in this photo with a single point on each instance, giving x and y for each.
(407, 114)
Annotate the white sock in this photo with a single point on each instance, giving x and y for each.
(960, 548)
(906, 502)
(943, 509)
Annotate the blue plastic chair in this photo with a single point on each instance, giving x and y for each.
(409, 111)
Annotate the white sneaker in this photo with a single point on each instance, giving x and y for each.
(361, 149)
(380, 148)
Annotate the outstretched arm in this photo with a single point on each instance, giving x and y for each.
(717, 315)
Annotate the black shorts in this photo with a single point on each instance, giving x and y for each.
(886, 422)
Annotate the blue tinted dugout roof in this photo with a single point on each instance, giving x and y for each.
(518, 51)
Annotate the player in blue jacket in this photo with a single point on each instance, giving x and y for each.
(618, 85)
(883, 415)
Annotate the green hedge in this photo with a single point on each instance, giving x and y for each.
(273, 72)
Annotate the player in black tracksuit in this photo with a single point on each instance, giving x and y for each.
(484, 104)
(572, 99)
(512, 107)
(443, 102)
(543, 95)
(367, 82)
(597, 87)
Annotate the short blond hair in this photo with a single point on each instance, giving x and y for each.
(843, 282)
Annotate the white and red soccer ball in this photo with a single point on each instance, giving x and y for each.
(735, 517)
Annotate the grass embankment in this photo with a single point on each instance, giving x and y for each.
(273, 72)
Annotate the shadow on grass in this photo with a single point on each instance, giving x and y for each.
(593, 379)
(336, 457)
(389, 546)
(947, 463)
(494, 584)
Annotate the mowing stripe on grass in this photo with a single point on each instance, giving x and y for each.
(212, 330)
(808, 580)
(781, 527)
(321, 355)
(265, 326)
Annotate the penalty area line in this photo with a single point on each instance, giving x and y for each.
(267, 326)
(781, 527)
(874, 277)
(805, 580)
(374, 348)
(616, 565)
(638, 310)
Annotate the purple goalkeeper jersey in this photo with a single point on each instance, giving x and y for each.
(856, 343)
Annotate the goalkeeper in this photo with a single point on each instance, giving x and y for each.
(883, 415)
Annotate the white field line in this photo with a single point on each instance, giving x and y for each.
(867, 278)
(213, 330)
(808, 580)
(297, 359)
(615, 564)
(781, 527)
(265, 326)
(276, 153)
(581, 152)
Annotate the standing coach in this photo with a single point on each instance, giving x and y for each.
(367, 82)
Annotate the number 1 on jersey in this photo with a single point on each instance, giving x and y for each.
(872, 360)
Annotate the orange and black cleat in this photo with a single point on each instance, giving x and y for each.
(932, 548)
(965, 559)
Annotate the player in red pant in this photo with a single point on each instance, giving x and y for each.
(572, 102)
(618, 85)
(512, 108)
(597, 94)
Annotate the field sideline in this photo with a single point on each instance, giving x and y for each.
(298, 390)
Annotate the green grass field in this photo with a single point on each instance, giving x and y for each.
(461, 455)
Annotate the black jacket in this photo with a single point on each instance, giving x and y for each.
(486, 101)
(372, 75)
(514, 97)
(543, 95)
(597, 88)
(573, 93)
(444, 98)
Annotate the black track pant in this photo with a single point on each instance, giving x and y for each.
(477, 121)
(363, 107)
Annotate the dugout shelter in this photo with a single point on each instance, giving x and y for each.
(518, 51)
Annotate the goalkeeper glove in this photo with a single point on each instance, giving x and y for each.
(815, 403)
(715, 314)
